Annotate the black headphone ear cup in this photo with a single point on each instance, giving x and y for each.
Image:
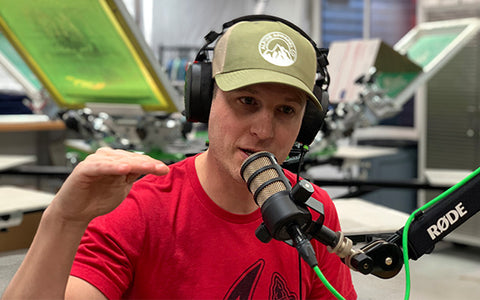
(198, 92)
(313, 118)
(324, 98)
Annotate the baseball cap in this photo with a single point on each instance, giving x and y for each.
(264, 51)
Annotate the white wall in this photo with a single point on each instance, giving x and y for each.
(7, 82)
(186, 22)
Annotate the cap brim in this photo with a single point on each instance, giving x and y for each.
(237, 79)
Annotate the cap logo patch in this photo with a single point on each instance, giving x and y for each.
(278, 48)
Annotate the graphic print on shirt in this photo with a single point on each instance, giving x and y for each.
(279, 289)
(244, 287)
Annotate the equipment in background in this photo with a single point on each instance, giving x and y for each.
(77, 63)
(372, 81)
(107, 84)
(164, 136)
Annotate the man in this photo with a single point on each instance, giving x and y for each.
(187, 231)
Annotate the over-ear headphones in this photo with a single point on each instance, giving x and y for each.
(199, 82)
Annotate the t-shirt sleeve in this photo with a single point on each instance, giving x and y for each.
(109, 248)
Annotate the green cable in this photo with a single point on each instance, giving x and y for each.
(412, 216)
(320, 274)
(327, 284)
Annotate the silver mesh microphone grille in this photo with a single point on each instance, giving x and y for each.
(255, 162)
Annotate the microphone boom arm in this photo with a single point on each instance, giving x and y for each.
(286, 217)
(383, 258)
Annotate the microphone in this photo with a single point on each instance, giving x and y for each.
(283, 219)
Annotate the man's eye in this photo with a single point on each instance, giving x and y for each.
(247, 100)
(287, 110)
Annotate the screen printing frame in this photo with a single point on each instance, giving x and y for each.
(163, 95)
(462, 31)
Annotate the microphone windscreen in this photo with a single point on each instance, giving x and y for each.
(264, 176)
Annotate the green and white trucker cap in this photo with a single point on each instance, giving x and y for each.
(264, 51)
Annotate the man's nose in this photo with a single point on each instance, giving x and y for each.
(263, 125)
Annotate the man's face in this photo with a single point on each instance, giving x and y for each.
(260, 117)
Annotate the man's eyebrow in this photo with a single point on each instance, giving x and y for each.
(252, 90)
(300, 99)
(301, 96)
(247, 89)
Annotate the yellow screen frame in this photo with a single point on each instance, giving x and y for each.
(165, 97)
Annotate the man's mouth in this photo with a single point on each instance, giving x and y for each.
(248, 151)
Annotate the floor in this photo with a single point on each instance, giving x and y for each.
(9, 263)
(450, 272)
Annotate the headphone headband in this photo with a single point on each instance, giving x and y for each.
(321, 53)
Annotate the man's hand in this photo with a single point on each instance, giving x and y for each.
(100, 183)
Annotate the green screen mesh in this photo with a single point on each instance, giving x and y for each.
(81, 54)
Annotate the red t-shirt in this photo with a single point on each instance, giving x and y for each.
(169, 240)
